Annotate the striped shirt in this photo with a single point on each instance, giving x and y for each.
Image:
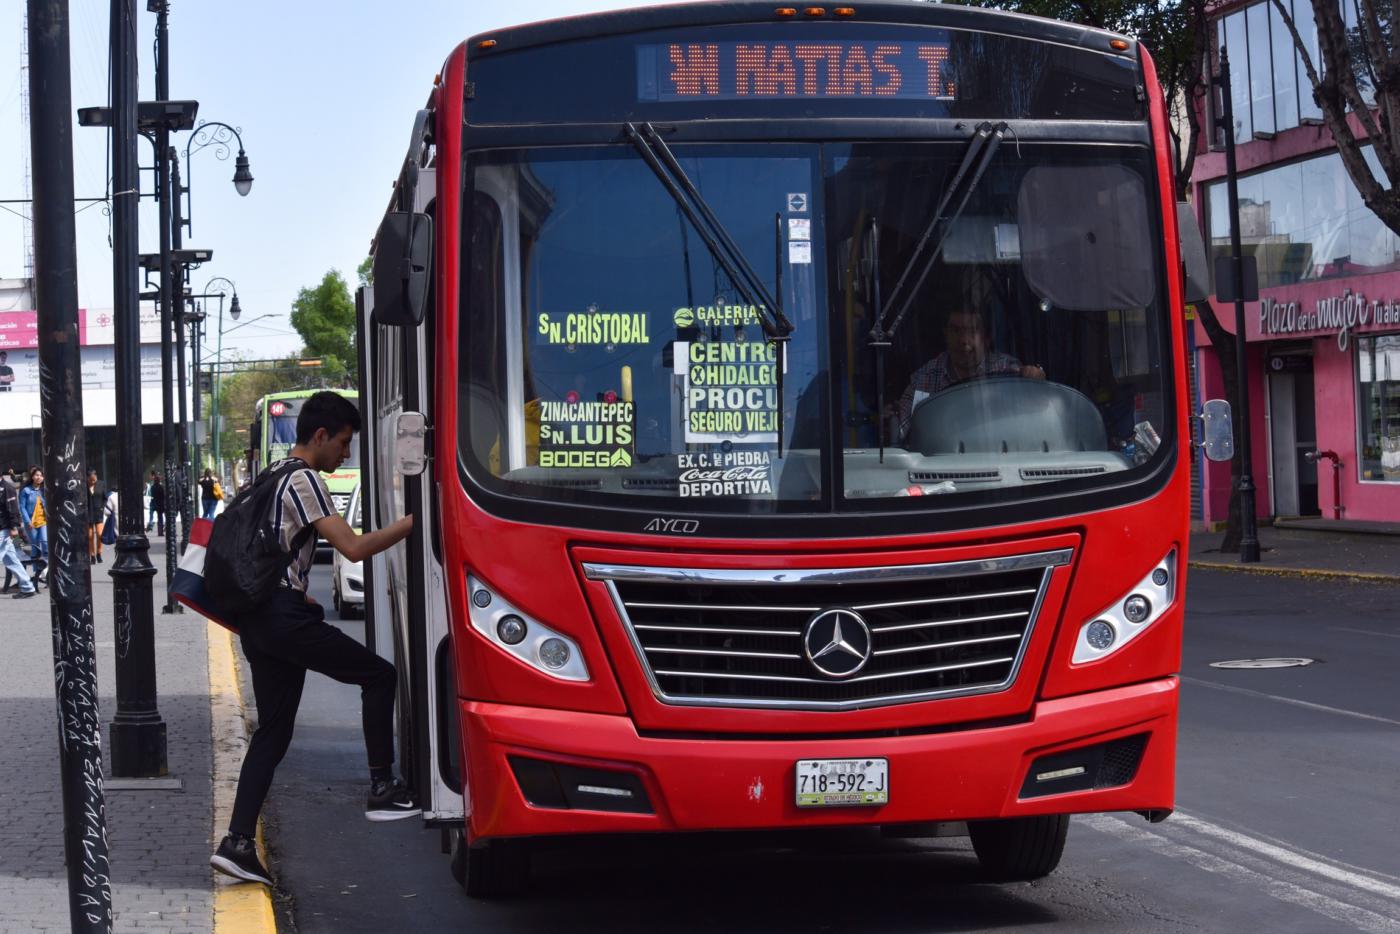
(935, 376)
(302, 498)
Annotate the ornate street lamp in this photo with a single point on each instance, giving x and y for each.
(234, 311)
(218, 135)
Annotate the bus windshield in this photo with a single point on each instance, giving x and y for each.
(281, 436)
(1015, 345)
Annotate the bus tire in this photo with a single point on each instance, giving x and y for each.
(493, 869)
(1019, 848)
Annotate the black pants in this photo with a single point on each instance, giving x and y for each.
(282, 641)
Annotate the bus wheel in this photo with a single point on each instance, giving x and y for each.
(493, 869)
(1021, 847)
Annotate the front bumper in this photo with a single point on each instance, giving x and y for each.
(729, 783)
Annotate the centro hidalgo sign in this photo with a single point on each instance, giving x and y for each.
(1341, 315)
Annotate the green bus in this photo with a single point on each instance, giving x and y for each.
(274, 431)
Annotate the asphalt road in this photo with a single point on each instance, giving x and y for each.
(1288, 817)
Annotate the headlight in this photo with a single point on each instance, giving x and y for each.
(1129, 615)
(542, 648)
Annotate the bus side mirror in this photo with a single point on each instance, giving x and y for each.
(1217, 433)
(410, 443)
(1195, 269)
(403, 251)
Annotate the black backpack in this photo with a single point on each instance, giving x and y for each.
(244, 560)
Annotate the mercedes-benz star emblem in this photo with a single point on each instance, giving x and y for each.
(837, 642)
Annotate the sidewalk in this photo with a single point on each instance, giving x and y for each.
(159, 832)
(1312, 548)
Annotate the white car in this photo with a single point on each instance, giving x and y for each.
(348, 577)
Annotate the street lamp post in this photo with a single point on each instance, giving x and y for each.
(216, 134)
(234, 311)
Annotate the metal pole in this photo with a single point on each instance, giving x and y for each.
(195, 337)
(217, 428)
(1249, 528)
(177, 318)
(167, 309)
(137, 732)
(65, 456)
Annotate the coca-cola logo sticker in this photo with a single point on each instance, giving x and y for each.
(731, 473)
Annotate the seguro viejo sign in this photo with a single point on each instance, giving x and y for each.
(1340, 314)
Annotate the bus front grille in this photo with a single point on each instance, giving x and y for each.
(755, 638)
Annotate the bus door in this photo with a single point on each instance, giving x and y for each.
(409, 604)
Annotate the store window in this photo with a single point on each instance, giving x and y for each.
(1304, 221)
(1378, 397)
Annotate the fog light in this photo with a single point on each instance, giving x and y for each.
(511, 629)
(1137, 608)
(482, 598)
(1100, 634)
(1159, 577)
(554, 653)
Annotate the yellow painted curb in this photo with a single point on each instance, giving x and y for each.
(239, 907)
(1316, 573)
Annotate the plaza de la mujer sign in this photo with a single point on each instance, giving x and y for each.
(1341, 315)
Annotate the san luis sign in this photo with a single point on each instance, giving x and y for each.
(1335, 314)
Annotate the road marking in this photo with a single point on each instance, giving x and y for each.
(1357, 917)
(1367, 632)
(1344, 873)
(1290, 700)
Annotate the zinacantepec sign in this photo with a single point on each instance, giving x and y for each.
(1340, 315)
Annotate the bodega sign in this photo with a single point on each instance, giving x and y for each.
(1342, 315)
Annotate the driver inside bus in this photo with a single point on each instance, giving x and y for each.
(967, 356)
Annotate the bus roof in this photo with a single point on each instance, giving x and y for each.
(726, 12)
(306, 393)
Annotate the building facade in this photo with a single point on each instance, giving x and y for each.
(1323, 341)
(19, 383)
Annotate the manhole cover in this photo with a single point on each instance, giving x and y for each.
(1264, 663)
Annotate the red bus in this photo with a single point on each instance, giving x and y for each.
(793, 404)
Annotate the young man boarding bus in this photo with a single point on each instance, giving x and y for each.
(288, 635)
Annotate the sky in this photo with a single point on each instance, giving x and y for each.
(324, 95)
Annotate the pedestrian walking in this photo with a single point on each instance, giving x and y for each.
(157, 505)
(32, 512)
(10, 520)
(10, 483)
(209, 493)
(288, 635)
(110, 513)
(95, 501)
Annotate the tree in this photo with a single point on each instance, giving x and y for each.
(1178, 37)
(324, 316)
(366, 271)
(1357, 63)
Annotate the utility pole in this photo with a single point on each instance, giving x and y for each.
(177, 320)
(173, 489)
(137, 733)
(1249, 527)
(65, 458)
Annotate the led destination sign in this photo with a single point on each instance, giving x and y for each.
(764, 70)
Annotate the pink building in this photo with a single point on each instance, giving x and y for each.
(1323, 342)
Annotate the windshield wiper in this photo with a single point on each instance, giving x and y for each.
(980, 152)
(726, 252)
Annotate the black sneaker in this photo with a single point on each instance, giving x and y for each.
(390, 801)
(24, 594)
(239, 858)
